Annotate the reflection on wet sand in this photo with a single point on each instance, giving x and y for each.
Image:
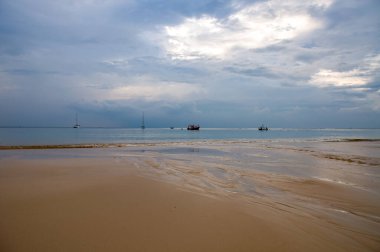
(336, 189)
(329, 192)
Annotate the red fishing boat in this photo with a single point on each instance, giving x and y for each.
(193, 127)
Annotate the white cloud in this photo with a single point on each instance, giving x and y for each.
(196, 37)
(256, 26)
(359, 76)
(150, 90)
(374, 100)
(112, 86)
(118, 63)
(326, 77)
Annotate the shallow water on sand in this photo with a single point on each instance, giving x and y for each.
(336, 182)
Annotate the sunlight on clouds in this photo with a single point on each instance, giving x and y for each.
(357, 77)
(165, 91)
(260, 31)
(249, 27)
(112, 86)
(291, 4)
(327, 77)
(195, 38)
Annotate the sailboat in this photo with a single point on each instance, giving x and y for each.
(143, 122)
(76, 125)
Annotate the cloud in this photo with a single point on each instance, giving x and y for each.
(164, 91)
(255, 26)
(374, 100)
(327, 77)
(254, 72)
(118, 63)
(145, 89)
(220, 62)
(5, 83)
(360, 76)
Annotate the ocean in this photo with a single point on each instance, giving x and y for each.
(62, 136)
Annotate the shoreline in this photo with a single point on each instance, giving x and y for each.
(165, 143)
(220, 197)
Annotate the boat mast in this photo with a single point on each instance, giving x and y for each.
(143, 122)
(76, 121)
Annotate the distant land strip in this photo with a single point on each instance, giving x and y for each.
(59, 146)
(353, 140)
(79, 146)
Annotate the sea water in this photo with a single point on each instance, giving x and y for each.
(58, 136)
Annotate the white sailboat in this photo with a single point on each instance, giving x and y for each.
(143, 122)
(76, 125)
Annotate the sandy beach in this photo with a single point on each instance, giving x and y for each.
(219, 196)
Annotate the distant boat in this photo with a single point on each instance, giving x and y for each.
(76, 125)
(263, 128)
(143, 122)
(193, 127)
(171, 127)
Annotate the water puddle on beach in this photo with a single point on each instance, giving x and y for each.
(192, 150)
(296, 178)
(181, 150)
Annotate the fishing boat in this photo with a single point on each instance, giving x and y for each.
(76, 125)
(263, 128)
(193, 127)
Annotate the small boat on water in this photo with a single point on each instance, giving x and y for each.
(193, 127)
(263, 128)
(76, 125)
(172, 127)
(143, 122)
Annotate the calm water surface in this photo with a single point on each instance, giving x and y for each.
(42, 136)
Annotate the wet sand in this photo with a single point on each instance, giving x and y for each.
(192, 197)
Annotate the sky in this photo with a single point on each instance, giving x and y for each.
(219, 63)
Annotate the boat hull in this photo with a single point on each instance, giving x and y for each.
(193, 127)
